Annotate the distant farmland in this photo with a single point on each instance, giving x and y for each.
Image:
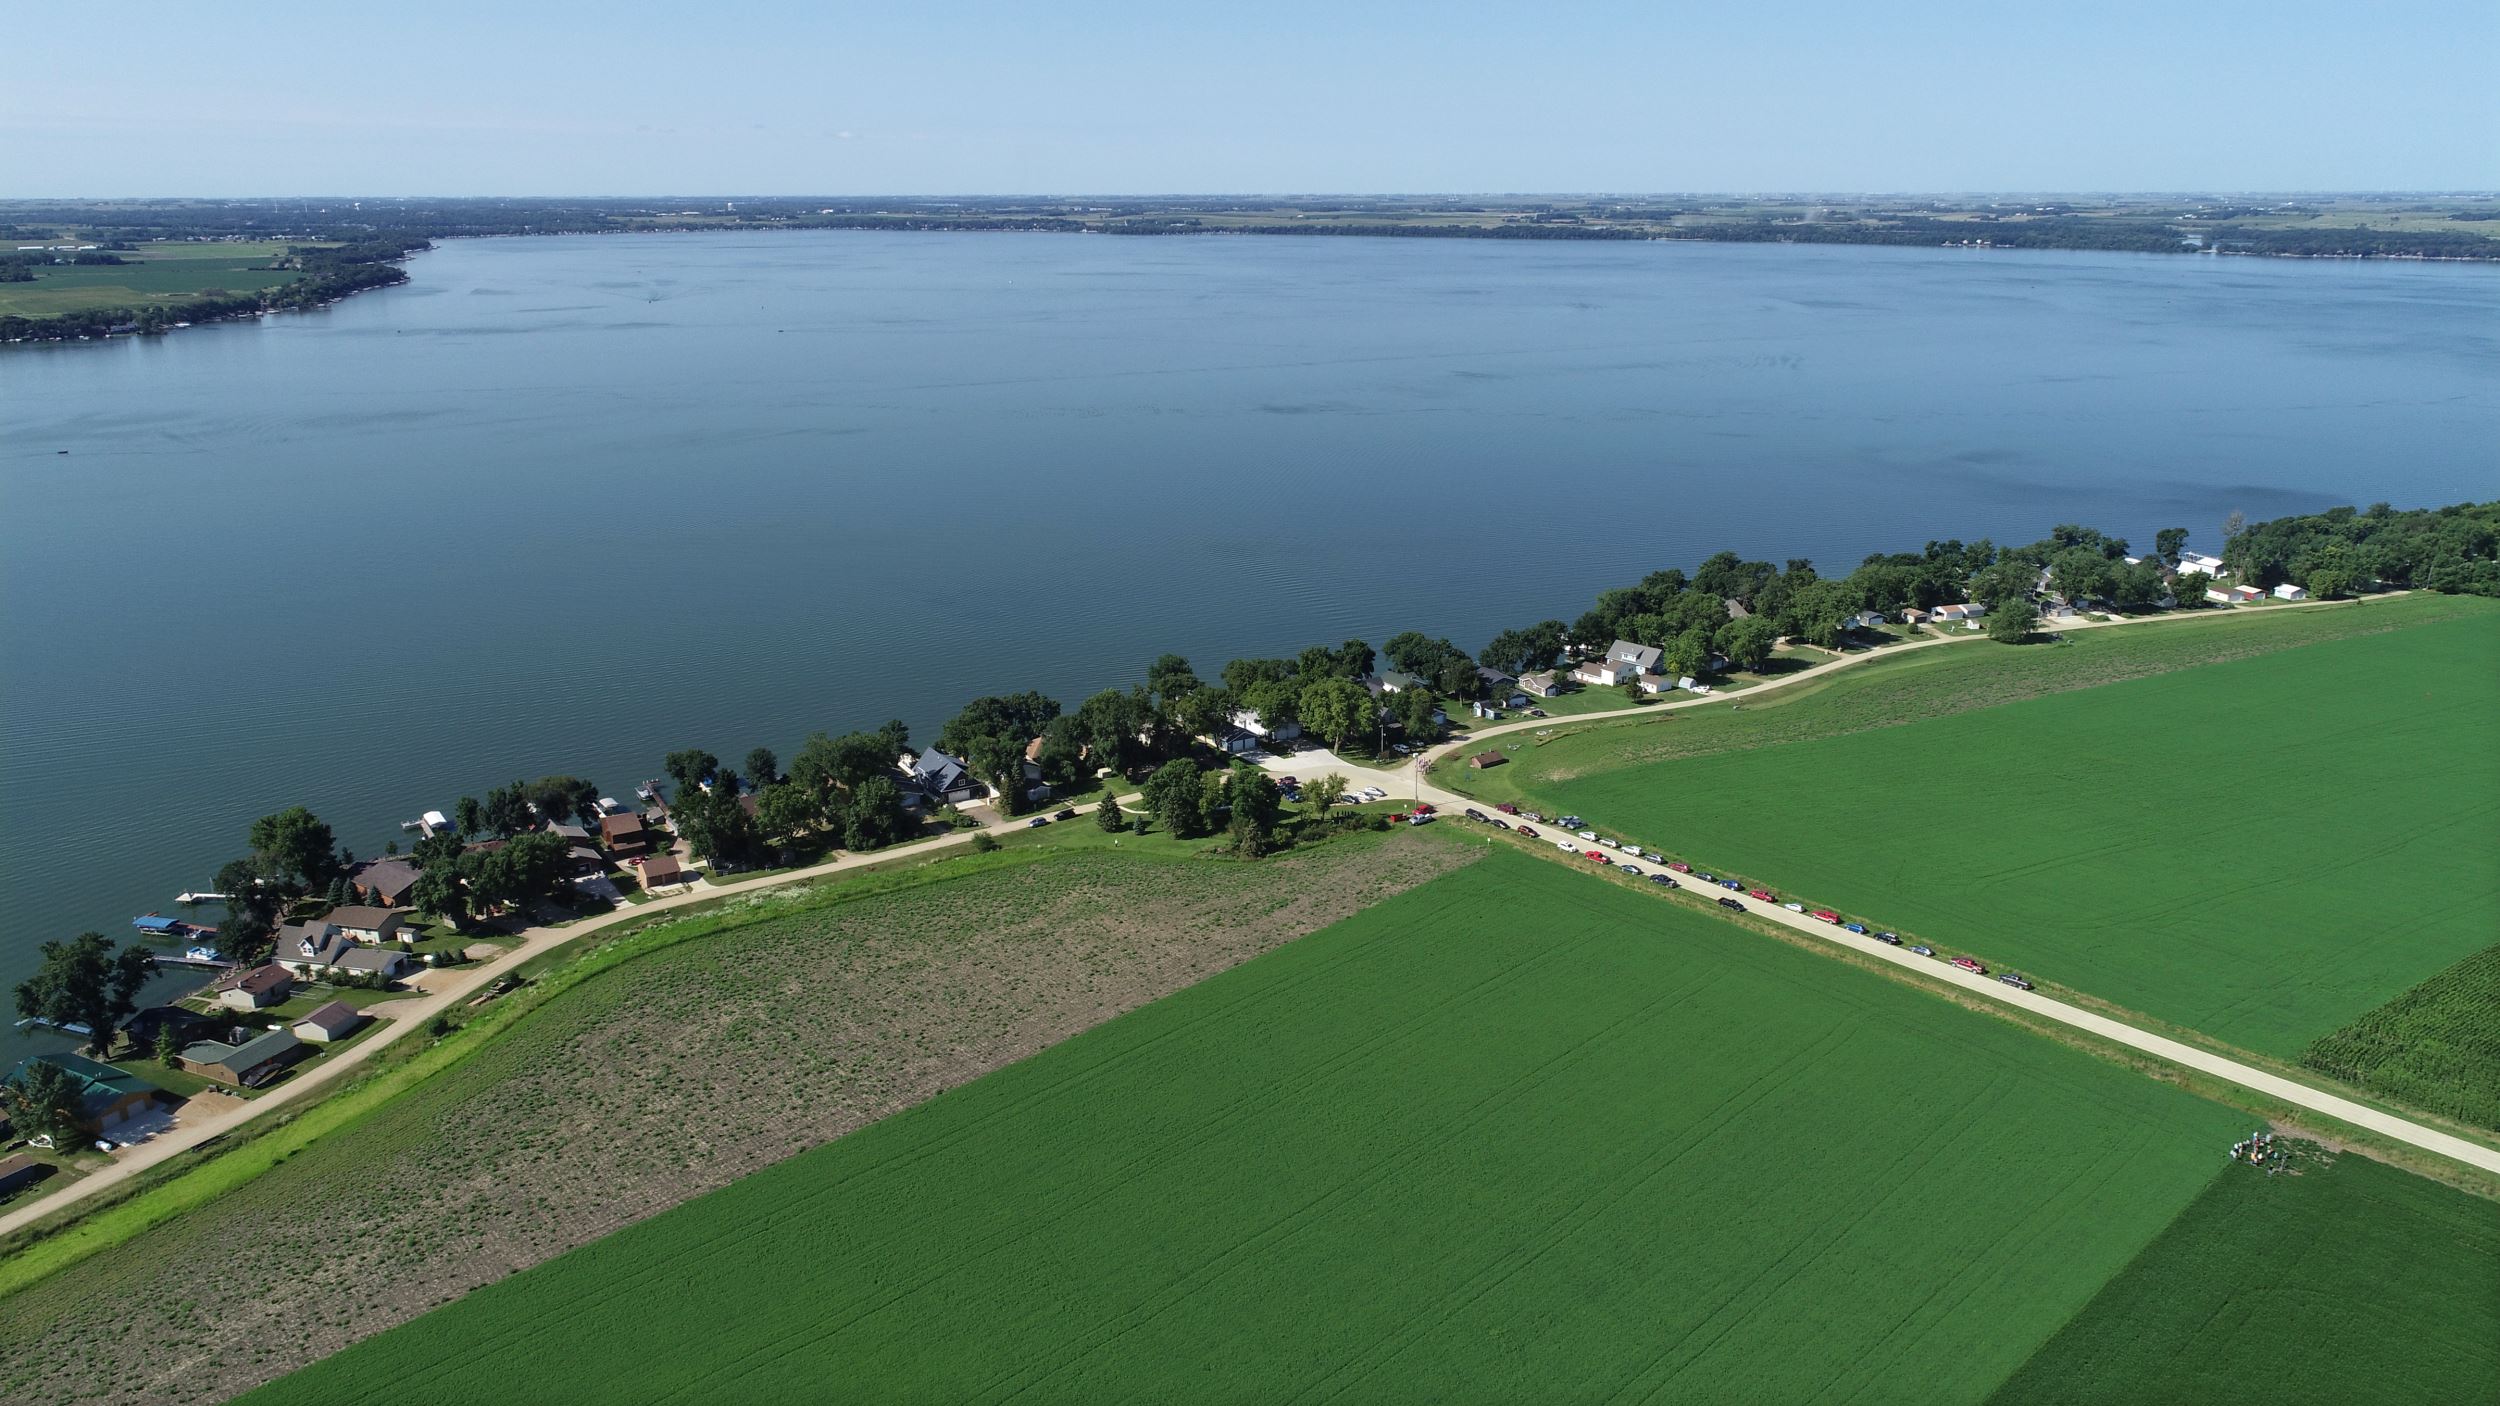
(156, 273)
(1512, 1135)
(2264, 849)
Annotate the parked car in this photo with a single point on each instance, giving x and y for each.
(2016, 980)
(1064, 813)
(1531, 832)
(1794, 907)
(1824, 915)
(1707, 877)
(1765, 895)
(1922, 949)
(1507, 808)
(1858, 928)
(1629, 867)
(1536, 712)
(1583, 834)
(1571, 822)
(1037, 822)
(1599, 855)
(1732, 903)
(1889, 939)
(1971, 964)
(1419, 818)
(1501, 824)
(1610, 844)
(1681, 867)
(1537, 815)
(1474, 814)
(1666, 879)
(1653, 856)
(1425, 808)
(1731, 885)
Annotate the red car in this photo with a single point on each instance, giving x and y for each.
(1507, 808)
(1765, 895)
(1599, 855)
(1827, 915)
(1531, 832)
(1680, 866)
(1970, 964)
(1423, 807)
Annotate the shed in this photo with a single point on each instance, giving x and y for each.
(335, 1021)
(1485, 761)
(661, 870)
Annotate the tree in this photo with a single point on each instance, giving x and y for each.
(1688, 654)
(1747, 643)
(763, 768)
(556, 797)
(1539, 646)
(1114, 723)
(168, 1045)
(1416, 713)
(1337, 709)
(1062, 754)
(85, 982)
(2233, 525)
(2011, 622)
(2168, 543)
(690, 768)
(1108, 815)
(1255, 802)
(508, 810)
(1175, 796)
(716, 827)
(1817, 612)
(46, 1100)
(1631, 687)
(468, 817)
(441, 890)
(990, 734)
(2009, 579)
(874, 817)
(295, 844)
(1169, 677)
(2189, 587)
(787, 811)
(1321, 792)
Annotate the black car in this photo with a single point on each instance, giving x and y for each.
(2016, 980)
(1708, 878)
(1889, 939)
(1503, 823)
(1731, 903)
(1068, 813)
(1474, 814)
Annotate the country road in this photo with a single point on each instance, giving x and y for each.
(1415, 780)
(448, 989)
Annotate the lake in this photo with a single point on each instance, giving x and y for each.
(569, 504)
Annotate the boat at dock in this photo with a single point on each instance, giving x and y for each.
(203, 897)
(158, 925)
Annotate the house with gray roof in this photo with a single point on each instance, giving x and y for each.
(385, 881)
(944, 778)
(248, 1065)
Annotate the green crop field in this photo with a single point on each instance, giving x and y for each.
(2262, 849)
(2436, 1046)
(2350, 1282)
(1512, 1135)
(157, 273)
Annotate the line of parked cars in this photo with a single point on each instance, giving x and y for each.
(1582, 834)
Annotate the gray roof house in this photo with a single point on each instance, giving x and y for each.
(388, 963)
(366, 924)
(250, 1064)
(386, 881)
(335, 1021)
(1630, 658)
(943, 777)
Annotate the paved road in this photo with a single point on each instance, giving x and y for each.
(1413, 781)
(444, 990)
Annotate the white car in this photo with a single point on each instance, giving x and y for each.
(1610, 844)
(1794, 907)
(1629, 868)
(1566, 846)
(1373, 793)
(1588, 834)
(1653, 856)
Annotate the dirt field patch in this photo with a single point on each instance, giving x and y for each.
(668, 1077)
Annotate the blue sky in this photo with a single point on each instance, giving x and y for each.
(451, 97)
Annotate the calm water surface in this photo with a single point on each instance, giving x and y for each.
(566, 505)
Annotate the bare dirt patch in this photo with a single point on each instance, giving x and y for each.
(665, 1078)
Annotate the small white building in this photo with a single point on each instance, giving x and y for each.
(2288, 591)
(1249, 721)
(2199, 562)
(1964, 612)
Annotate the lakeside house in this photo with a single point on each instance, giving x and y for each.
(663, 870)
(250, 988)
(1963, 613)
(1233, 741)
(335, 1021)
(942, 778)
(1249, 721)
(624, 836)
(1391, 681)
(577, 834)
(245, 1066)
(366, 924)
(385, 882)
(2199, 562)
(1865, 620)
(1494, 680)
(1632, 659)
(108, 1095)
(1736, 609)
(1542, 684)
(2288, 591)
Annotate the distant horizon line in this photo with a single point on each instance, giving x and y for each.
(2457, 193)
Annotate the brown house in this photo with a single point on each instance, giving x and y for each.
(385, 881)
(249, 1065)
(1483, 760)
(250, 988)
(624, 835)
(663, 869)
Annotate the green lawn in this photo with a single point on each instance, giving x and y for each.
(1510, 1136)
(2262, 849)
(2351, 1282)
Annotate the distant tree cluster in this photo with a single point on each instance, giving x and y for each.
(2344, 550)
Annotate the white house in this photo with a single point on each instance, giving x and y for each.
(1865, 620)
(1604, 673)
(1249, 721)
(1952, 614)
(2198, 561)
(2288, 591)
(1633, 660)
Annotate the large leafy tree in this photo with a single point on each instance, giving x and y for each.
(86, 982)
(555, 797)
(1336, 709)
(297, 845)
(46, 1100)
(1176, 796)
